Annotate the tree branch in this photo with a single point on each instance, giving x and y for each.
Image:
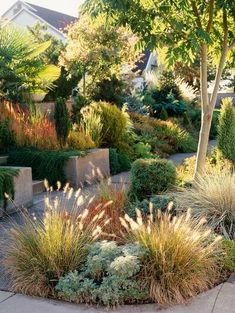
(221, 61)
(196, 14)
(211, 12)
(168, 21)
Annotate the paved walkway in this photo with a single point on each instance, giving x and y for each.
(180, 157)
(221, 299)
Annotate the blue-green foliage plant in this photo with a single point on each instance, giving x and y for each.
(108, 277)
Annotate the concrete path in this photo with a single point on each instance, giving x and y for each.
(178, 158)
(221, 299)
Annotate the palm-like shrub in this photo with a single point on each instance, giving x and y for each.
(213, 196)
(21, 69)
(182, 255)
(41, 251)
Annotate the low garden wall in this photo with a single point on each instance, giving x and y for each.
(48, 107)
(23, 190)
(87, 169)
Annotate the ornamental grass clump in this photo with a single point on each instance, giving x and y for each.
(40, 251)
(213, 196)
(182, 255)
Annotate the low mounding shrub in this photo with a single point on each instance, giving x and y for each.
(226, 130)
(151, 176)
(106, 123)
(107, 277)
(155, 203)
(39, 252)
(229, 258)
(164, 137)
(79, 140)
(47, 164)
(212, 196)
(119, 162)
(182, 256)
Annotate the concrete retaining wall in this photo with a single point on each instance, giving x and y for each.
(23, 190)
(88, 169)
(48, 107)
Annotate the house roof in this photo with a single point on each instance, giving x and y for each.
(142, 63)
(56, 19)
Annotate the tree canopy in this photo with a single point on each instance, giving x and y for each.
(186, 30)
(99, 51)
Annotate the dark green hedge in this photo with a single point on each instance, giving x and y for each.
(7, 184)
(45, 164)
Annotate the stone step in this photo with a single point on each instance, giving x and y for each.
(38, 186)
(3, 160)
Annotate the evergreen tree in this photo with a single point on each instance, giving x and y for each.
(226, 130)
(62, 121)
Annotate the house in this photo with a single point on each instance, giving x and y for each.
(26, 14)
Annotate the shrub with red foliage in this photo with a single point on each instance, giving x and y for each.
(38, 132)
(111, 202)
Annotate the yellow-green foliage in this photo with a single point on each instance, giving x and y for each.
(213, 196)
(182, 255)
(105, 123)
(79, 140)
(165, 137)
(214, 163)
(41, 251)
(229, 257)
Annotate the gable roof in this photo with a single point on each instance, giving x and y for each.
(143, 62)
(56, 19)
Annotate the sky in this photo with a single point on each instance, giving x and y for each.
(65, 6)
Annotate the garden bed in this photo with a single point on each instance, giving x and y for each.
(23, 196)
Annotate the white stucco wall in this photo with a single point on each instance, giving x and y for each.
(12, 11)
(22, 16)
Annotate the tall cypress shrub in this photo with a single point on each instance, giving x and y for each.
(226, 130)
(62, 121)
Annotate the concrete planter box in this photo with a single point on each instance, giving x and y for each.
(23, 190)
(88, 169)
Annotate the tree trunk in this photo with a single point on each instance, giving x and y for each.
(205, 117)
(207, 106)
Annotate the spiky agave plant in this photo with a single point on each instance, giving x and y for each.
(40, 251)
(182, 255)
